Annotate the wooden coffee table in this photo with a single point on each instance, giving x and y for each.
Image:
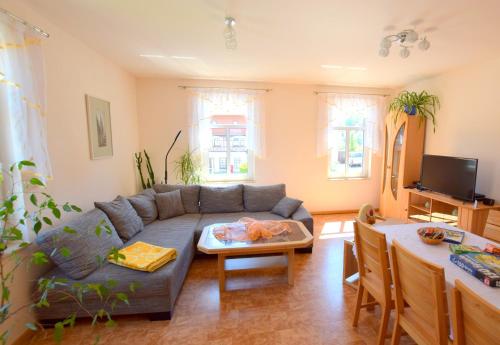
(229, 251)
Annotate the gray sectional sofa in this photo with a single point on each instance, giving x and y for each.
(157, 291)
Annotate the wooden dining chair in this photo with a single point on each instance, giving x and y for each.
(492, 228)
(421, 307)
(374, 274)
(475, 321)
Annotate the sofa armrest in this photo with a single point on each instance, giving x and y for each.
(303, 215)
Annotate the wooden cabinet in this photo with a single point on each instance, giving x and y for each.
(403, 152)
(435, 207)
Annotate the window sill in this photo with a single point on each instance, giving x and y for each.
(229, 181)
(349, 178)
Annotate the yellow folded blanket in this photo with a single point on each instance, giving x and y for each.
(144, 256)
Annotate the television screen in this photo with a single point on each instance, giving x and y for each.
(450, 175)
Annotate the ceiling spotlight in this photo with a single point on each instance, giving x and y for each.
(230, 33)
(383, 51)
(402, 38)
(404, 53)
(424, 44)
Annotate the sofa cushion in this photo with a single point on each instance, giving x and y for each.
(190, 195)
(262, 198)
(169, 204)
(84, 245)
(145, 205)
(221, 199)
(123, 216)
(286, 207)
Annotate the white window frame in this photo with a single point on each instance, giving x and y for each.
(228, 178)
(366, 153)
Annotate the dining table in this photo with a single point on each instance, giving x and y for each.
(406, 235)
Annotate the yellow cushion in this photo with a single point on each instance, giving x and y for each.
(143, 256)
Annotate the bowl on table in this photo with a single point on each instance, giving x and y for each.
(431, 235)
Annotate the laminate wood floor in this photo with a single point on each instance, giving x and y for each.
(258, 308)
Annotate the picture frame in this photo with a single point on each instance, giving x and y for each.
(99, 127)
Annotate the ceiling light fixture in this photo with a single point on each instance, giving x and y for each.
(152, 56)
(230, 33)
(402, 38)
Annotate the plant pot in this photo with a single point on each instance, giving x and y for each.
(411, 111)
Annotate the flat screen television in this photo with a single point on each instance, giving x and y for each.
(453, 176)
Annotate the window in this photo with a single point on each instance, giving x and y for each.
(233, 159)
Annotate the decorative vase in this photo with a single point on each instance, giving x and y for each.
(411, 111)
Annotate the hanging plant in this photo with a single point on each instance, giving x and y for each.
(423, 105)
(188, 168)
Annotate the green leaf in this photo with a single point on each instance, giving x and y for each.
(69, 230)
(33, 199)
(36, 182)
(122, 297)
(5, 293)
(39, 258)
(110, 323)
(98, 231)
(31, 326)
(66, 208)
(76, 208)
(26, 164)
(37, 227)
(65, 252)
(133, 286)
(47, 220)
(58, 332)
(56, 212)
(111, 283)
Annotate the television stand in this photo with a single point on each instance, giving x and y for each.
(426, 206)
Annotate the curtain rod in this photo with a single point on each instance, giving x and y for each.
(352, 93)
(35, 28)
(215, 87)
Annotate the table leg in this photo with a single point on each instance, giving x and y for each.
(291, 266)
(221, 258)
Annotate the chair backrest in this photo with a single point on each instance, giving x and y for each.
(420, 294)
(372, 254)
(475, 321)
(492, 228)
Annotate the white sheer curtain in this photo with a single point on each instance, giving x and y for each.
(206, 103)
(23, 134)
(335, 108)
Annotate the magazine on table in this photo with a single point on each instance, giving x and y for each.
(453, 236)
(483, 266)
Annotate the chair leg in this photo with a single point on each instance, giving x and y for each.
(396, 333)
(359, 301)
(384, 321)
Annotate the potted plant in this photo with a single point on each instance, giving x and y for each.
(423, 105)
(188, 168)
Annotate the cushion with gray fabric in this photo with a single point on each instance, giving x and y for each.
(221, 199)
(286, 207)
(190, 195)
(123, 216)
(157, 291)
(145, 205)
(169, 204)
(84, 246)
(262, 198)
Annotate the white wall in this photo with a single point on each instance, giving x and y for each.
(469, 119)
(73, 70)
(290, 140)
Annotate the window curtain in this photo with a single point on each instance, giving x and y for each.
(208, 102)
(334, 109)
(23, 132)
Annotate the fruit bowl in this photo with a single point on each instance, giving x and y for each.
(431, 235)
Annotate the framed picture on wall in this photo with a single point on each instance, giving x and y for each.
(99, 126)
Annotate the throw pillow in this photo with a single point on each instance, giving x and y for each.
(221, 199)
(262, 198)
(286, 207)
(190, 195)
(169, 204)
(145, 205)
(84, 246)
(123, 216)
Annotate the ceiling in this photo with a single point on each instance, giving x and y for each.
(282, 40)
